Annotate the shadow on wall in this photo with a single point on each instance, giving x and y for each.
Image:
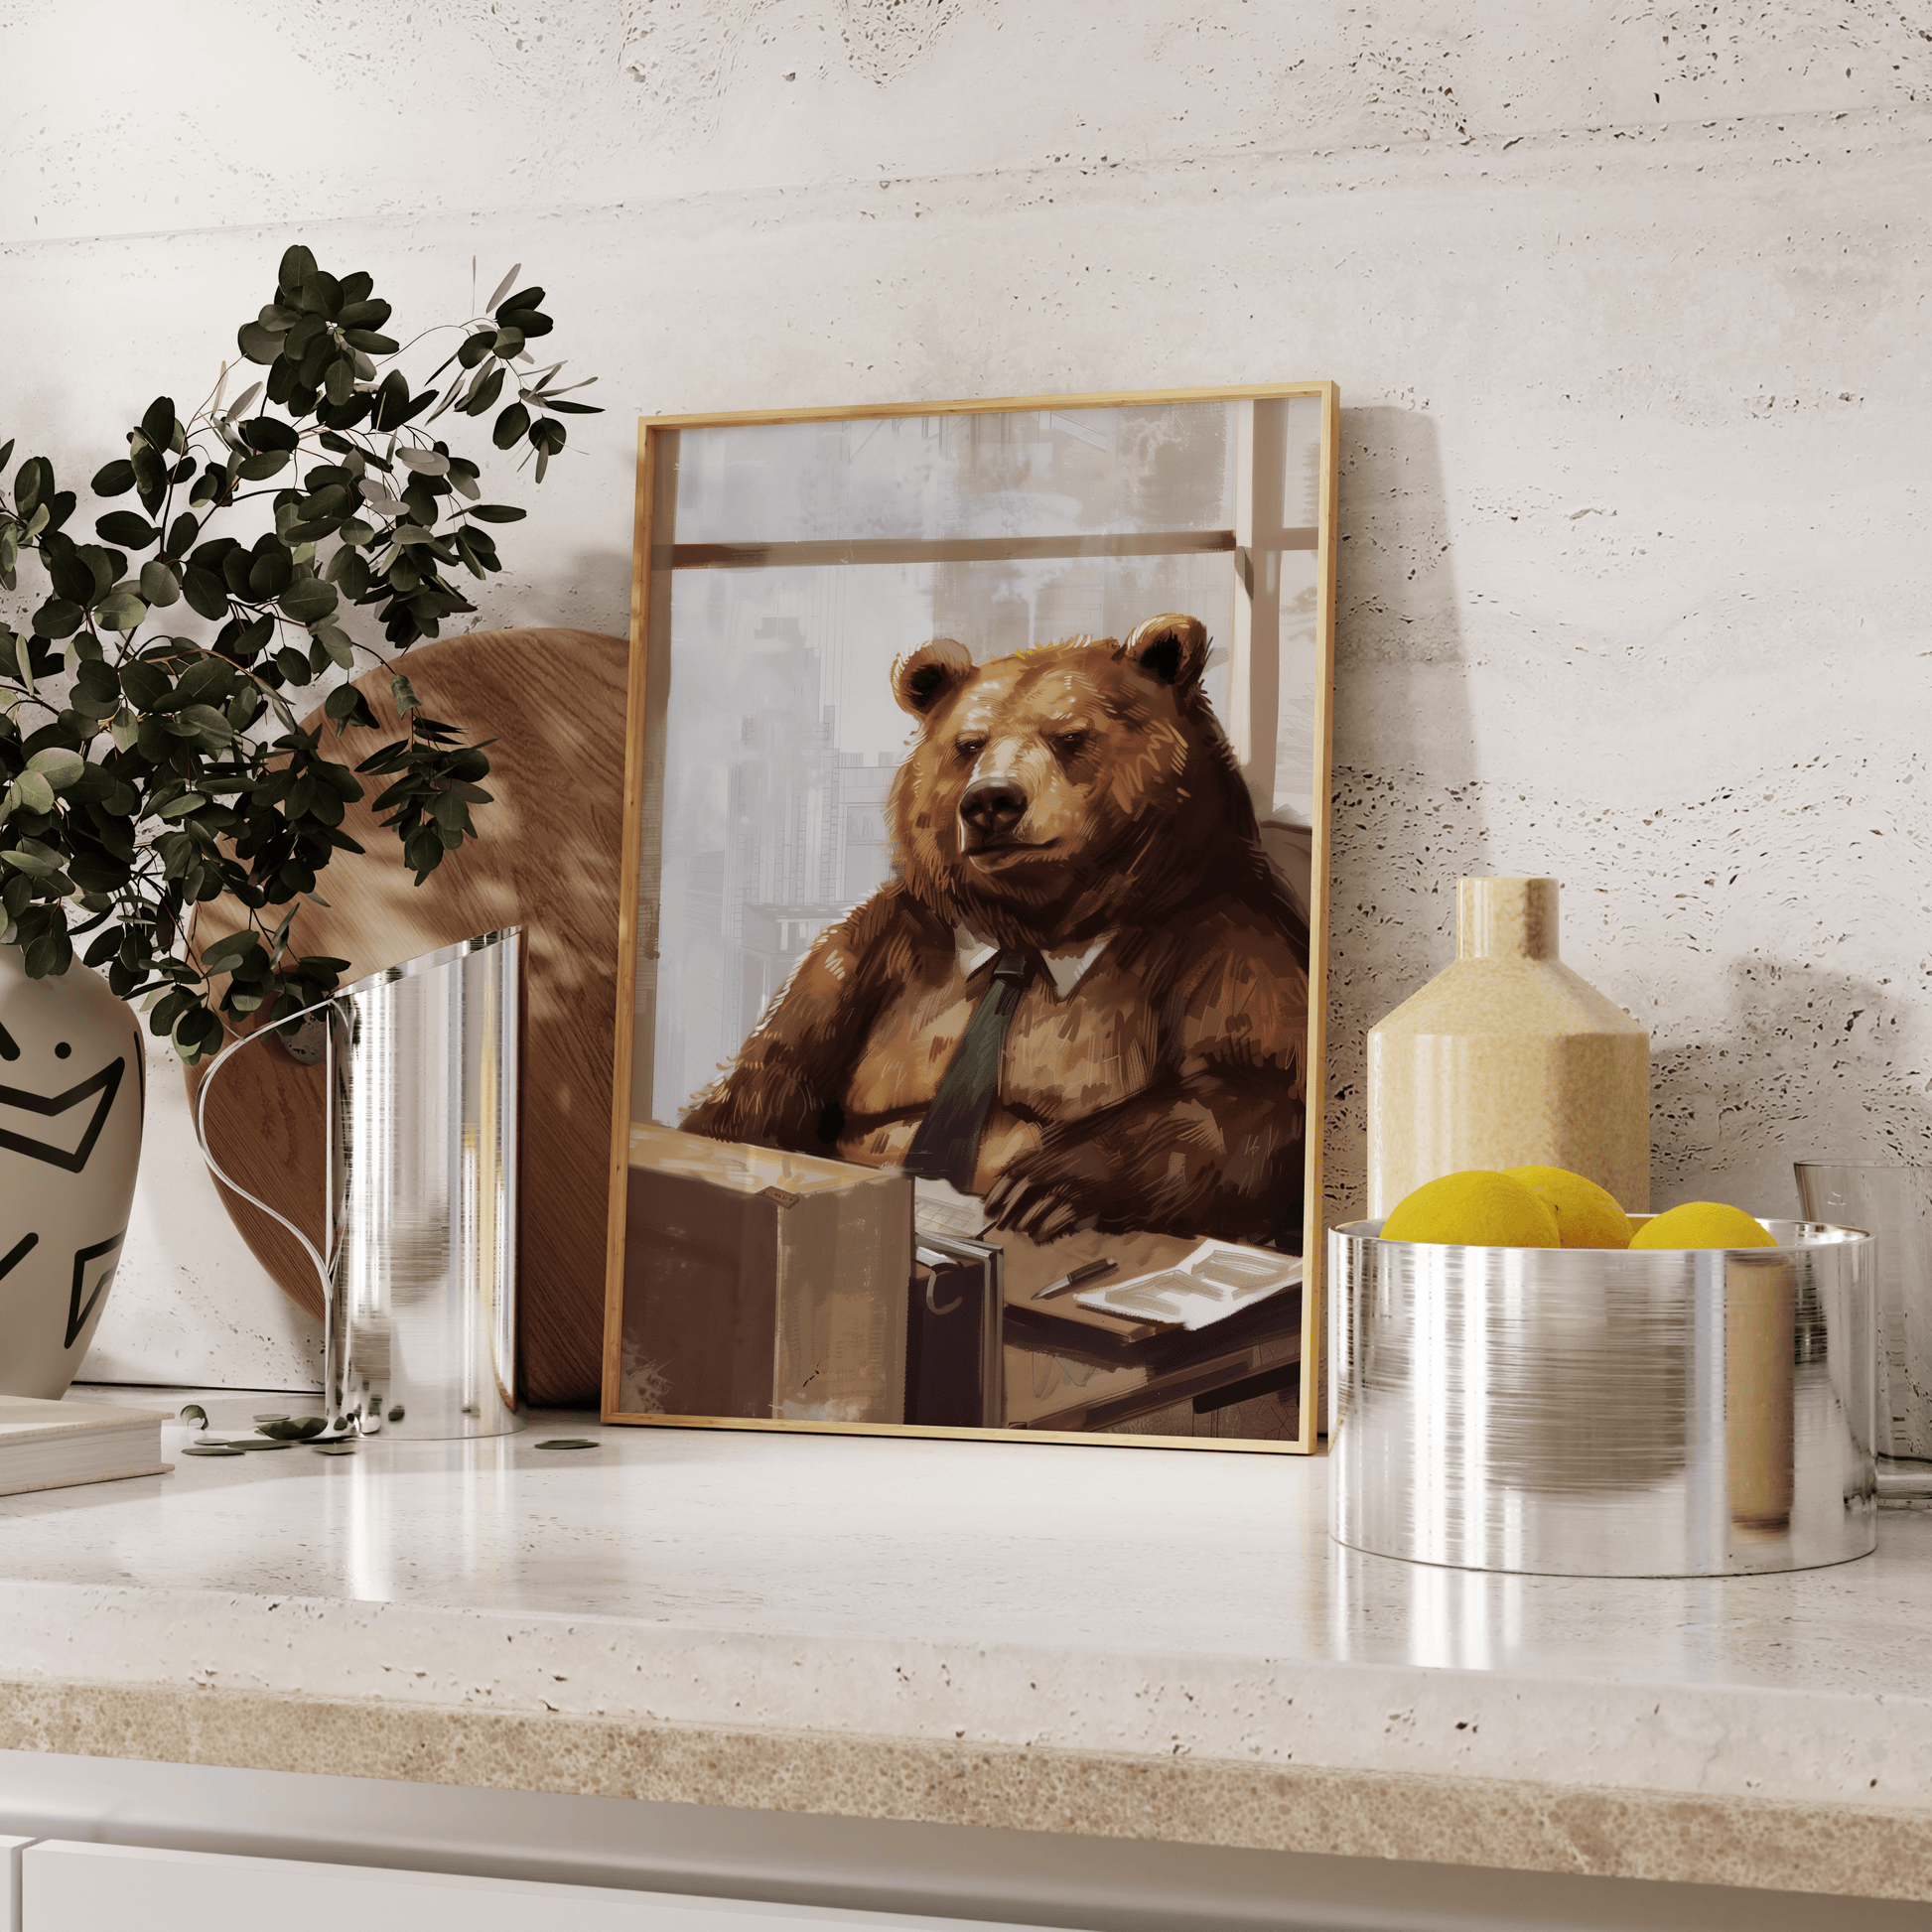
(1399, 840)
(1814, 1070)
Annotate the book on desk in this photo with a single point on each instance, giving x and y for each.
(58, 1444)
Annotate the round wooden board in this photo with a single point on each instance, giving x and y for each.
(547, 859)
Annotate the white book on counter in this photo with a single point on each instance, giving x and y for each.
(53, 1445)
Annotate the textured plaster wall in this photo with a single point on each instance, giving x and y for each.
(1628, 308)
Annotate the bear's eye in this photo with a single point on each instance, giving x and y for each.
(970, 745)
(1069, 744)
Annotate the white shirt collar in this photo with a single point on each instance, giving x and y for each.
(1067, 967)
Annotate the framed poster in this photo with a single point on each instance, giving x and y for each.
(976, 815)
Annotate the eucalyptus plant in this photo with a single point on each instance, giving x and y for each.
(150, 757)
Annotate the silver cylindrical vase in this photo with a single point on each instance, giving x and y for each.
(1605, 1412)
(419, 1283)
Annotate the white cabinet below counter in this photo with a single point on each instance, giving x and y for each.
(69, 1887)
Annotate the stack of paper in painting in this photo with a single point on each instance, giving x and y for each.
(51, 1444)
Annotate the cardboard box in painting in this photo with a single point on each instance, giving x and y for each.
(761, 1284)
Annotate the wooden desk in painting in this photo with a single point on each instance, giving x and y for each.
(769, 1287)
(1073, 1368)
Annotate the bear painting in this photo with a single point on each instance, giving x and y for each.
(1082, 995)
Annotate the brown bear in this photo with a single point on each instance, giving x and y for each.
(1074, 813)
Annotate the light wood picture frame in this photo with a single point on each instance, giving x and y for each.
(976, 816)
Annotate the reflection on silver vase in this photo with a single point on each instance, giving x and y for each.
(1893, 1205)
(419, 1283)
(1606, 1413)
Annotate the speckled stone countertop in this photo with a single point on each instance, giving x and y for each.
(1116, 1642)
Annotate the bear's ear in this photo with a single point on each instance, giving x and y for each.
(922, 678)
(1171, 648)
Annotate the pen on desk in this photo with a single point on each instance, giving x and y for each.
(1079, 1278)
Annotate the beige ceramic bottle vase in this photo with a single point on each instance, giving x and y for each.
(1507, 1060)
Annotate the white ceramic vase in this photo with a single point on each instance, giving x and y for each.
(72, 1080)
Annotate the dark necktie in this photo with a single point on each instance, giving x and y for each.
(946, 1146)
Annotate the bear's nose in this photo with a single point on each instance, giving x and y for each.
(993, 806)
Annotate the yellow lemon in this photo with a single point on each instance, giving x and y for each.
(1477, 1209)
(1704, 1225)
(1587, 1215)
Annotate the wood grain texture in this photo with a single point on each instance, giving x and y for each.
(547, 860)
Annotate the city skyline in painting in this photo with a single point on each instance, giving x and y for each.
(781, 728)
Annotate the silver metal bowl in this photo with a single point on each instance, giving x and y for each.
(1606, 1413)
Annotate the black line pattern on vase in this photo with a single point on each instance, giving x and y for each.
(77, 1314)
(17, 1254)
(106, 1083)
(9, 1045)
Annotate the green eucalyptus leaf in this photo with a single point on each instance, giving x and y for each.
(59, 766)
(510, 426)
(338, 643)
(256, 468)
(207, 723)
(123, 526)
(35, 858)
(530, 322)
(485, 395)
(259, 345)
(349, 570)
(268, 433)
(498, 513)
(292, 1428)
(111, 479)
(48, 955)
(145, 684)
(346, 706)
(121, 611)
(270, 571)
(58, 617)
(308, 600)
(206, 593)
(229, 952)
(296, 266)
